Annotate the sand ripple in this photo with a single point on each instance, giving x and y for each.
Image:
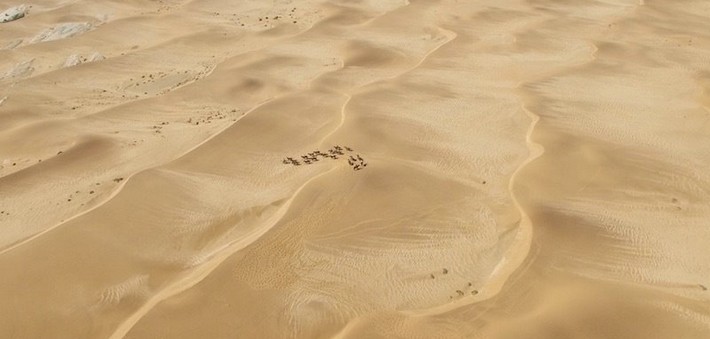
(534, 169)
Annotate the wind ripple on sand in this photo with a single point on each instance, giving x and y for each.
(210, 262)
(534, 169)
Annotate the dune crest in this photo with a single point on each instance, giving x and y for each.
(354, 169)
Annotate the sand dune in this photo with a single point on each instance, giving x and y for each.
(354, 169)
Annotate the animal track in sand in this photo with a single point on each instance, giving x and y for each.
(135, 142)
(89, 193)
(275, 17)
(9, 165)
(161, 82)
(204, 116)
(140, 86)
(207, 119)
(167, 5)
(467, 289)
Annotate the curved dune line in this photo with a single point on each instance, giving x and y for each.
(129, 16)
(131, 52)
(120, 188)
(342, 64)
(118, 105)
(36, 235)
(382, 14)
(165, 43)
(514, 260)
(342, 118)
(223, 253)
(188, 83)
(210, 70)
(451, 36)
(8, 176)
(519, 250)
(217, 257)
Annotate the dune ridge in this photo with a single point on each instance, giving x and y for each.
(534, 169)
(212, 261)
(113, 194)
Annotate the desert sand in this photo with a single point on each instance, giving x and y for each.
(354, 169)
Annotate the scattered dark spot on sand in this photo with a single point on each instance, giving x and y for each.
(445, 271)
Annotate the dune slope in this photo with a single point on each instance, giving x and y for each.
(355, 169)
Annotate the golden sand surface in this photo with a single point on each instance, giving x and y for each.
(355, 169)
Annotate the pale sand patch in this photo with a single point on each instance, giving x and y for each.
(14, 13)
